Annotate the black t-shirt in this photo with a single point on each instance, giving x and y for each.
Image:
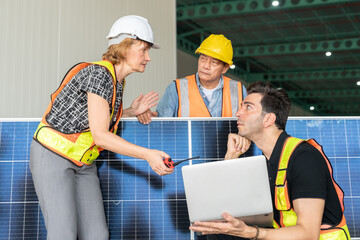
(308, 177)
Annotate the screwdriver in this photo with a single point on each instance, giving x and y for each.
(170, 163)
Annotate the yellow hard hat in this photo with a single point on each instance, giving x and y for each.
(217, 46)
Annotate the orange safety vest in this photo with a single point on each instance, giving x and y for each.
(76, 147)
(282, 201)
(191, 104)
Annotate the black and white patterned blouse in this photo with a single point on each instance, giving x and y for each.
(69, 113)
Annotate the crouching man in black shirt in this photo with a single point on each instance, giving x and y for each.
(308, 203)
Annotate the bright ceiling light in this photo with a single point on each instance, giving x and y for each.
(275, 3)
(312, 108)
(328, 54)
(232, 66)
(358, 83)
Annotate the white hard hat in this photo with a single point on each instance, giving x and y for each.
(131, 26)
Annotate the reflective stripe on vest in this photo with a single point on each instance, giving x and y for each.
(236, 96)
(77, 147)
(282, 201)
(191, 103)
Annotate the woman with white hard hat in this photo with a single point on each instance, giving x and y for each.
(80, 121)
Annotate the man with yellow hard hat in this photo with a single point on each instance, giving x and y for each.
(208, 93)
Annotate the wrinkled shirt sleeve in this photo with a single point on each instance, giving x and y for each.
(169, 103)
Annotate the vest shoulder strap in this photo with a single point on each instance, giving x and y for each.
(282, 201)
(110, 67)
(232, 97)
(290, 144)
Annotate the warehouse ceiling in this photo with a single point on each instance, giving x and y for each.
(286, 45)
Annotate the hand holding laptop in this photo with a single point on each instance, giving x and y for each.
(232, 226)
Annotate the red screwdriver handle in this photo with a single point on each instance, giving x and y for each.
(168, 162)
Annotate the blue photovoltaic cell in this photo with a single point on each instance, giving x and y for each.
(138, 203)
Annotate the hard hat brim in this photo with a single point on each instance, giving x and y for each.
(213, 54)
(155, 46)
(118, 39)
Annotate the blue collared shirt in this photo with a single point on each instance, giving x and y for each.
(169, 103)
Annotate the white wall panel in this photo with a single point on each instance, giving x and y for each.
(41, 39)
(28, 46)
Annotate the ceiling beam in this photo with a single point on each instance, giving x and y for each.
(284, 49)
(236, 7)
(329, 109)
(186, 45)
(298, 47)
(304, 76)
(279, 23)
(334, 93)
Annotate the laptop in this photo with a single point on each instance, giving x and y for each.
(238, 186)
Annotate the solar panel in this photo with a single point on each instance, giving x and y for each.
(139, 204)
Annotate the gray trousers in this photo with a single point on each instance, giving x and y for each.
(69, 196)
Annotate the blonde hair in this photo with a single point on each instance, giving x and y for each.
(117, 52)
